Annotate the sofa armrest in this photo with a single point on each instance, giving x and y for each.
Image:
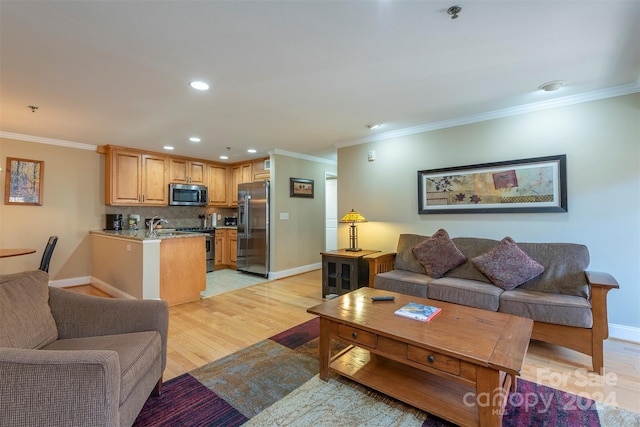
(600, 284)
(379, 262)
(79, 315)
(63, 388)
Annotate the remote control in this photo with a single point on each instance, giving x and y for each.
(383, 298)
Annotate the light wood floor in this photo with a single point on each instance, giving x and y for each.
(207, 330)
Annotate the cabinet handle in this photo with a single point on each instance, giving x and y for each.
(431, 359)
(354, 335)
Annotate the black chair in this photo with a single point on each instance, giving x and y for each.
(48, 251)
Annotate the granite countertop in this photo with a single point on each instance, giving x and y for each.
(163, 233)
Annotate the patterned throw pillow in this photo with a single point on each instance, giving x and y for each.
(507, 266)
(438, 254)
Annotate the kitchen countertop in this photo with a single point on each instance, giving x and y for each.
(163, 233)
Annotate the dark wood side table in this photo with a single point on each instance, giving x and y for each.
(344, 271)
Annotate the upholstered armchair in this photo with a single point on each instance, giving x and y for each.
(68, 359)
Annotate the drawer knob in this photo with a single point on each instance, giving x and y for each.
(354, 335)
(431, 359)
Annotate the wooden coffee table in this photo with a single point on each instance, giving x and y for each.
(460, 366)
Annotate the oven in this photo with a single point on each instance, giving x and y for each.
(210, 244)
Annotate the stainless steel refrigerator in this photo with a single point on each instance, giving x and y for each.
(253, 228)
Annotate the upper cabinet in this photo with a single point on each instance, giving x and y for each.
(218, 194)
(239, 175)
(260, 169)
(136, 178)
(183, 171)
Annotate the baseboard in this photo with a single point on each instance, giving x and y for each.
(74, 281)
(623, 332)
(108, 289)
(292, 272)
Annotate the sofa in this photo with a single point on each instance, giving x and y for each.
(69, 359)
(546, 282)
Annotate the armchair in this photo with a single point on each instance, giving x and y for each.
(76, 360)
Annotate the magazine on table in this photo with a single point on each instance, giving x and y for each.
(421, 312)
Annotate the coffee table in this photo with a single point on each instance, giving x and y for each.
(460, 366)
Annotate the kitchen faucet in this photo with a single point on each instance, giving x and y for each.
(153, 224)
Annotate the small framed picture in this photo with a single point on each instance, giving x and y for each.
(24, 182)
(301, 187)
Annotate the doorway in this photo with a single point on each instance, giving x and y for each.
(331, 211)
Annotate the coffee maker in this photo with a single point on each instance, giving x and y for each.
(114, 222)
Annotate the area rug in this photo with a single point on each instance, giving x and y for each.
(227, 280)
(275, 383)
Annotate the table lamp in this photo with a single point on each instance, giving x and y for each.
(353, 217)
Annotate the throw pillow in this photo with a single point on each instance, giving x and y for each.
(438, 254)
(507, 266)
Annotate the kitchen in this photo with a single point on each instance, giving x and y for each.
(208, 213)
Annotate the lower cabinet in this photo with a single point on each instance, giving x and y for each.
(226, 248)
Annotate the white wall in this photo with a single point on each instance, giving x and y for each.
(602, 142)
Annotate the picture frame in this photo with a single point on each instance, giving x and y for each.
(528, 185)
(24, 182)
(299, 187)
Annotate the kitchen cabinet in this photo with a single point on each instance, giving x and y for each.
(226, 248)
(260, 169)
(135, 178)
(240, 174)
(217, 183)
(183, 171)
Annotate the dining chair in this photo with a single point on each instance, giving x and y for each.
(48, 251)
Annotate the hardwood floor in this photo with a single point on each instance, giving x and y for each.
(203, 331)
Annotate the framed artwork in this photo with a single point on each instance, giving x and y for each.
(24, 181)
(527, 185)
(301, 187)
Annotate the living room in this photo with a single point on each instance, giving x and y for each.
(599, 132)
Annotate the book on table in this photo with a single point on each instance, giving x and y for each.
(421, 312)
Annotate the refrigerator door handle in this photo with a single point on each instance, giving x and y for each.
(247, 216)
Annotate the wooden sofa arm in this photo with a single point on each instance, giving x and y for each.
(600, 284)
(380, 262)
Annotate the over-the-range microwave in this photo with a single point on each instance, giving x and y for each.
(187, 195)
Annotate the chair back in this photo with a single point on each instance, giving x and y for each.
(48, 251)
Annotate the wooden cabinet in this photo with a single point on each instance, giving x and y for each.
(226, 248)
(217, 183)
(185, 171)
(136, 178)
(259, 170)
(344, 271)
(239, 174)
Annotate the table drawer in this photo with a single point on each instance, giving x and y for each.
(357, 335)
(433, 359)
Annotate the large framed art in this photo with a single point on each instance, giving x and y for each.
(528, 185)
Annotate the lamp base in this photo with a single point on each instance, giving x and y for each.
(353, 249)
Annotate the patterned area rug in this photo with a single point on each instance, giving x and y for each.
(275, 383)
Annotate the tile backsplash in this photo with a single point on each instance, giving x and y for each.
(177, 216)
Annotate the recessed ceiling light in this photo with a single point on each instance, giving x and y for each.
(223, 157)
(251, 150)
(199, 85)
(551, 86)
(194, 139)
(373, 126)
(168, 147)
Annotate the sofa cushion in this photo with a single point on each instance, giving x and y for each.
(438, 254)
(25, 317)
(471, 247)
(137, 352)
(507, 266)
(549, 308)
(471, 293)
(405, 259)
(403, 282)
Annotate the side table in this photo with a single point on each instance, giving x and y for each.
(344, 271)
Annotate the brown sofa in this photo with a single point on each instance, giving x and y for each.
(567, 302)
(68, 359)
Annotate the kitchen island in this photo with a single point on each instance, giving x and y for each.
(170, 266)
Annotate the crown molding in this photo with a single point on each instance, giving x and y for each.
(49, 141)
(286, 153)
(498, 114)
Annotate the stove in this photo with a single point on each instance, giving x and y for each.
(210, 243)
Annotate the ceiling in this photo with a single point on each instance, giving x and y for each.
(302, 76)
